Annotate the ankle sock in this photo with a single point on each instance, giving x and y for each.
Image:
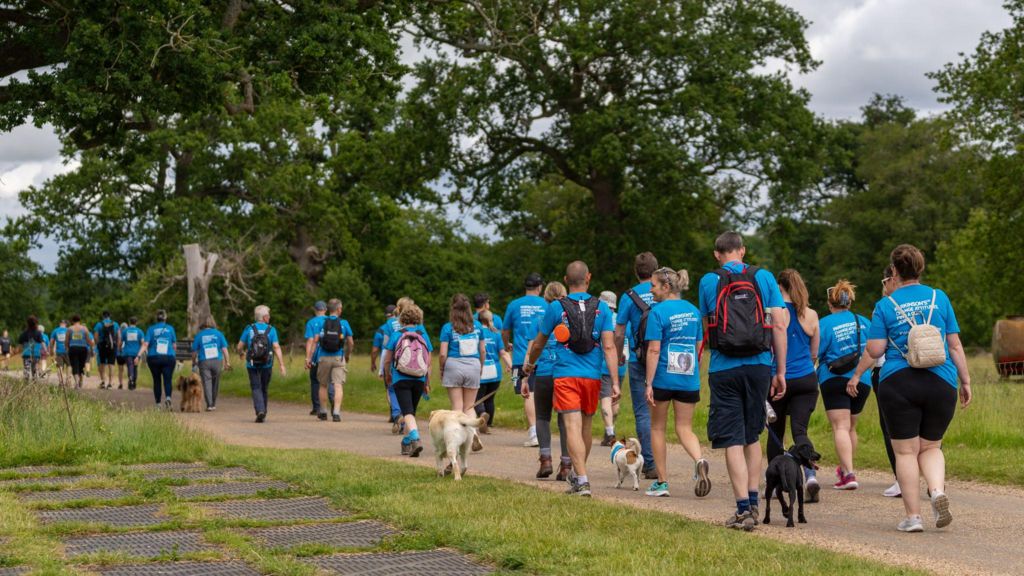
(337, 412)
(532, 432)
(413, 434)
(752, 497)
(609, 430)
(742, 506)
(566, 460)
(810, 473)
(581, 480)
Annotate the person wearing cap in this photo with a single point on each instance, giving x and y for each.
(380, 342)
(313, 327)
(522, 318)
(105, 335)
(609, 409)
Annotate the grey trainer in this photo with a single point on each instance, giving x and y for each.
(744, 521)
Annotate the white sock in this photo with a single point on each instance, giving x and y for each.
(609, 430)
(532, 431)
(581, 480)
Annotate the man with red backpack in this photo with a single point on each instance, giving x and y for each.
(745, 318)
(407, 363)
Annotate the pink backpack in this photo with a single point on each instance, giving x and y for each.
(412, 358)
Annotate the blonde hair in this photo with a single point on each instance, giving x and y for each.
(487, 319)
(554, 291)
(842, 291)
(676, 280)
(793, 284)
(403, 303)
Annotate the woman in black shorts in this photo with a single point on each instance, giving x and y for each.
(918, 402)
(78, 342)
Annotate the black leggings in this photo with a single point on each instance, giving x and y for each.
(543, 398)
(798, 403)
(162, 369)
(408, 393)
(488, 405)
(881, 423)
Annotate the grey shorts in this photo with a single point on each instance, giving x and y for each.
(606, 386)
(461, 373)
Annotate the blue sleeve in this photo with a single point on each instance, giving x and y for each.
(246, 335)
(653, 332)
(878, 330)
(825, 340)
(510, 316)
(273, 335)
(223, 341)
(706, 294)
(625, 304)
(552, 317)
(391, 342)
(149, 334)
(195, 343)
(377, 338)
(770, 290)
(607, 322)
(446, 333)
(174, 335)
(952, 326)
(347, 328)
(426, 338)
(310, 333)
(500, 338)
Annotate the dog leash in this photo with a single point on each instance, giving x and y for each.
(484, 399)
(772, 435)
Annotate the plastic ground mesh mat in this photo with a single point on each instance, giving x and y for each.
(200, 473)
(277, 509)
(348, 534)
(181, 569)
(30, 470)
(141, 544)
(13, 571)
(228, 489)
(50, 480)
(157, 466)
(440, 562)
(123, 516)
(74, 494)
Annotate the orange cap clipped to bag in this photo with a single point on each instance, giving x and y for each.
(561, 333)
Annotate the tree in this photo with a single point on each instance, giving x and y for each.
(18, 283)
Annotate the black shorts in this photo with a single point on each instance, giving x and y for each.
(736, 416)
(408, 393)
(77, 357)
(684, 396)
(106, 357)
(122, 360)
(916, 402)
(834, 396)
(516, 371)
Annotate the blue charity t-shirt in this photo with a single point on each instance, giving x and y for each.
(382, 332)
(79, 338)
(36, 348)
(161, 339)
(462, 345)
(838, 338)
(313, 327)
(397, 376)
(97, 330)
(888, 324)
(346, 332)
(569, 364)
(496, 318)
(246, 338)
(630, 314)
(58, 336)
(548, 356)
(771, 297)
(131, 340)
(522, 318)
(493, 345)
(208, 344)
(677, 325)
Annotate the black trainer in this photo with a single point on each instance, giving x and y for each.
(336, 417)
(322, 416)
(261, 417)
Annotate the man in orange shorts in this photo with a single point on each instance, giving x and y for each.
(584, 327)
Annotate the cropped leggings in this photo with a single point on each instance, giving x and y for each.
(543, 399)
(798, 403)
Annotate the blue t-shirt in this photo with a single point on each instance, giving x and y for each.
(382, 332)
(569, 364)
(493, 345)
(798, 347)
(313, 327)
(35, 349)
(630, 314)
(888, 324)
(496, 318)
(393, 326)
(462, 345)
(548, 356)
(161, 339)
(771, 297)
(79, 338)
(271, 335)
(208, 344)
(839, 338)
(397, 376)
(522, 318)
(97, 330)
(131, 340)
(346, 332)
(57, 336)
(677, 325)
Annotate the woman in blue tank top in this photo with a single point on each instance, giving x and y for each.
(801, 382)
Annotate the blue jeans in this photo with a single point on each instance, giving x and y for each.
(162, 368)
(642, 412)
(396, 411)
(314, 389)
(259, 382)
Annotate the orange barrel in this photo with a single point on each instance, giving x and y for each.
(1008, 345)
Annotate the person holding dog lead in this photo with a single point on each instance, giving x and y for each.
(916, 330)
(210, 354)
(407, 365)
(158, 349)
(259, 344)
(673, 337)
(609, 409)
(490, 378)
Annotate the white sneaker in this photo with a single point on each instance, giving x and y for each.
(940, 510)
(531, 442)
(911, 524)
(893, 491)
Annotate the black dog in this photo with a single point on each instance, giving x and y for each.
(785, 474)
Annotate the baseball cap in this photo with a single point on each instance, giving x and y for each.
(389, 309)
(320, 305)
(608, 297)
(533, 280)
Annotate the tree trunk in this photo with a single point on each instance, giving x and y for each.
(198, 272)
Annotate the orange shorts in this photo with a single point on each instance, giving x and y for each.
(577, 395)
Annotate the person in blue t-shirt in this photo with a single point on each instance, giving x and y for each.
(740, 384)
(481, 302)
(460, 358)
(522, 316)
(609, 409)
(259, 361)
(334, 354)
(313, 326)
(105, 333)
(57, 347)
(918, 403)
(120, 358)
(408, 389)
(380, 340)
(43, 352)
(844, 335)
(494, 356)
(542, 391)
(673, 338)
(78, 341)
(31, 340)
(158, 348)
(578, 374)
(130, 342)
(210, 354)
(631, 305)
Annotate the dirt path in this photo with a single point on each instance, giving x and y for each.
(985, 537)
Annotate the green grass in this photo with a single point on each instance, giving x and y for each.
(513, 527)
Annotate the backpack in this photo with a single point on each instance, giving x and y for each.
(259, 346)
(108, 337)
(847, 362)
(330, 342)
(581, 316)
(412, 357)
(739, 326)
(925, 346)
(640, 333)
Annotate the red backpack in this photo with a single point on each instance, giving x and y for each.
(739, 326)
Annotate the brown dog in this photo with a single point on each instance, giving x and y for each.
(191, 388)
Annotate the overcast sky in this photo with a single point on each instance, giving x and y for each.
(865, 46)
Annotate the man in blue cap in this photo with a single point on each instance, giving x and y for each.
(313, 327)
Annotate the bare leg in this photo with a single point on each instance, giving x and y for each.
(530, 410)
(840, 421)
(908, 473)
(338, 394)
(574, 431)
(468, 398)
(752, 456)
(736, 464)
(608, 417)
(588, 434)
(659, 414)
(455, 398)
(684, 429)
(932, 462)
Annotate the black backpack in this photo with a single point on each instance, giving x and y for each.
(640, 330)
(259, 346)
(738, 326)
(108, 337)
(331, 340)
(581, 323)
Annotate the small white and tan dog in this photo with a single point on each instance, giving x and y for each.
(452, 434)
(627, 458)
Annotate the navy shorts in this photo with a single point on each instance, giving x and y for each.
(834, 396)
(736, 416)
(516, 371)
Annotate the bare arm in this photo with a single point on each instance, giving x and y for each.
(280, 358)
(506, 335)
(611, 356)
(620, 341)
(876, 348)
(350, 344)
(959, 357)
(506, 359)
(442, 357)
(310, 348)
(386, 365)
(815, 335)
(780, 321)
(653, 353)
(483, 354)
